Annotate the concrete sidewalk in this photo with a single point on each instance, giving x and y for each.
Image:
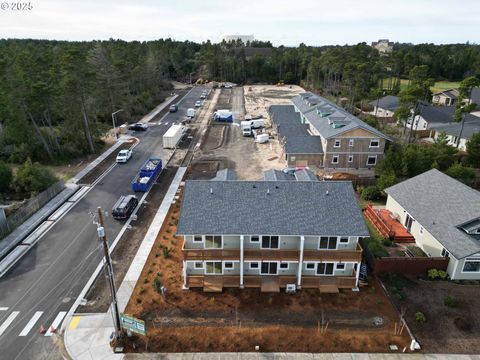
(87, 335)
(159, 108)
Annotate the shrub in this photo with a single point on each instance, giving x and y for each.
(432, 274)
(166, 252)
(142, 290)
(450, 301)
(442, 274)
(371, 193)
(157, 285)
(33, 177)
(461, 172)
(5, 177)
(420, 317)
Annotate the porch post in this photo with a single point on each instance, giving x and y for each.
(241, 261)
(357, 275)
(184, 271)
(300, 262)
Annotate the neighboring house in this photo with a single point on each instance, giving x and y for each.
(383, 46)
(244, 38)
(271, 235)
(445, 97)
(433, 120)
(347, 142)
(452, 130)
(475, 98)
(385, 107)
(443, 215)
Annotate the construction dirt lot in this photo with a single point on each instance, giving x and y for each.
(452, 328)
(223, 144)
(238, 320)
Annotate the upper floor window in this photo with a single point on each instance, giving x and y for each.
(269, 242)
(335, 159)
(350, 158)
(213, 241)
(337, 143)
(374, 143)
(350, 142)
(328, 242)
(372, 160)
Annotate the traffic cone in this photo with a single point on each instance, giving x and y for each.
(42, 330)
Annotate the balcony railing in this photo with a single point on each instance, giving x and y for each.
(273, 254)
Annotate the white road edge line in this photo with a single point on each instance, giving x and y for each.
(8, 322)
(111, 248)
(31, 323)
(56, 322)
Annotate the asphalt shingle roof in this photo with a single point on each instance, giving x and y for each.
(323, 115)
(471, 126)
(289, 127)
(270, 208)
(299, 175)
(225, 174)
(388, 102)
(441, 204)
(451, 93)
(437, 114)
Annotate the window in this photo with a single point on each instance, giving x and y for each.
(198, 265)
(198, 238)
(328, 242)
(350, 142)
(269, 242)
(350, 158)
(284, 266)
(471, 265)
(344, 240)
(325, 269)
(310, 266)
(337, 143)
(372, 160)
(335, 159)
(424, 125)
(340, 266)
(213, 267)
(374, 143)
(254, 265)
(213, 242)
(445, 253)
(228, 265)
(255, 239)
(269, 268)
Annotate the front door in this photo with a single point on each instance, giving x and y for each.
(408, 222)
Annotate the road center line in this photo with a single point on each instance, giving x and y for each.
(56, 323)
(7, 322)
(31, 323)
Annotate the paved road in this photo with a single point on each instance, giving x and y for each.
(45, 283)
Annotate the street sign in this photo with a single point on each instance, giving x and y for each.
(130, 323)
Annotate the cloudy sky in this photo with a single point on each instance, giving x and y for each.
(313, 22)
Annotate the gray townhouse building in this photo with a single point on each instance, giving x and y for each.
(291, 232)
(315, 131)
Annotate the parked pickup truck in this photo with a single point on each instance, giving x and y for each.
(147, 175)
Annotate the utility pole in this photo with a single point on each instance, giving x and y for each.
(109, 273)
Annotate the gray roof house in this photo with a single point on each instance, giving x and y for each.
(444, 216)
(446, 97)
(385, 106)
(301, 232)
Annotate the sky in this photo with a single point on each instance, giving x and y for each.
(289, 23)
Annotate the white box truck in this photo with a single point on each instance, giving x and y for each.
(191, 113)
(246, 128)
(173, 136)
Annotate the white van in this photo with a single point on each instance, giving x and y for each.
(246, 128)
(257, 123)
(191, 113)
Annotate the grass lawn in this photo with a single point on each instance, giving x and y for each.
(438, 86)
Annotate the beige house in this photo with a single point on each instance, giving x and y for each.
(383, 46)
(271, 235)
(446, 97)
(443, 215)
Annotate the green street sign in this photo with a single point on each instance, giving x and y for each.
(132, 324)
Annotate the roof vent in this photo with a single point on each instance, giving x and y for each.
(326, 192)
(254, 186)
(268, 191)
(276, 186)
(211, 190)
